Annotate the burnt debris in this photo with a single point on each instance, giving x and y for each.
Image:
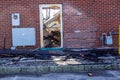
(89, 53)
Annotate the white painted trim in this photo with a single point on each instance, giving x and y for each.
(41, 26)
(41, 20)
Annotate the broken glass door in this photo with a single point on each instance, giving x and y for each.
(51, 25)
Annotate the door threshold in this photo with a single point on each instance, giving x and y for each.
(50, 48)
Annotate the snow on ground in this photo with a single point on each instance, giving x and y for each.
(99, 75)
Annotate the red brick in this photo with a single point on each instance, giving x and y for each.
(98, 16)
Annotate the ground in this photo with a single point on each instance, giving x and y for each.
(107, 68)
(98, 75)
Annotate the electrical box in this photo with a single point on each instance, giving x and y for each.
(109, 40)
(15, 19)
(23, 36)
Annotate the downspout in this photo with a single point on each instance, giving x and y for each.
(119, 41)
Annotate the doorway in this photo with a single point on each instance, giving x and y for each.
(51, 30)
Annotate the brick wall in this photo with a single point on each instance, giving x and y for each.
(83, 20)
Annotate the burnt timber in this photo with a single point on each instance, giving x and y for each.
(94, 52)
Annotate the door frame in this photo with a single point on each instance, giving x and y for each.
(41, 22)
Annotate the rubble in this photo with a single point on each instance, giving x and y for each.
(57, 61)
(36, 66)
